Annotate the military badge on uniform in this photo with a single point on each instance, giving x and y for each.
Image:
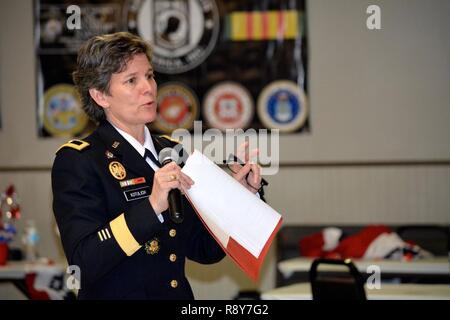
(137, 193)
(76, 144)
(109, 154)
(152, 246)
(132, 182)
(115, 144)
(104, 234)
(117, 170)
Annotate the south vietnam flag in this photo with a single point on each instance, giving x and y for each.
(263, 25)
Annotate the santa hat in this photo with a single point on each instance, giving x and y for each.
(318, 243)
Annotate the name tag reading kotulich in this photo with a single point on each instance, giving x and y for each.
(138, 193)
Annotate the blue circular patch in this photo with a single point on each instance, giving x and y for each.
(283, 107)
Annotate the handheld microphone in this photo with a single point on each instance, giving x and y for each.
(166, 156)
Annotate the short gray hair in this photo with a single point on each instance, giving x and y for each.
(98, 59)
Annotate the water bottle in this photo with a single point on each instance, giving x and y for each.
(30, 240)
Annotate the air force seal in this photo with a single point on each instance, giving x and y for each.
(182, 32)
(282, 105)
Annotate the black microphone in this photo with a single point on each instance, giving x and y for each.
(166, 156)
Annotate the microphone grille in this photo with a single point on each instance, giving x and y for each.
(168, 153)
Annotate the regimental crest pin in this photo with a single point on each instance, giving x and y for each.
(117, 170)
(152, 246)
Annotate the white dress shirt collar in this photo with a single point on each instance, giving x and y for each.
(148, 142)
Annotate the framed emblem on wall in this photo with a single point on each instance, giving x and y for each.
(232, 64)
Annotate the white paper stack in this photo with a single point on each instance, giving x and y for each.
(239, 220)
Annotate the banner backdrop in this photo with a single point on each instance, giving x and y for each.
(231, 64)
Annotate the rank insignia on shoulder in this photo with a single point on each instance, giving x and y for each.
(152, 246)
(75, 144)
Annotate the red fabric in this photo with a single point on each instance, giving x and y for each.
(311, 246)
(356, 245)
(3, 253)
(353, 246)
(33, 293)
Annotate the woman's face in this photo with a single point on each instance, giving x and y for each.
(132, 98)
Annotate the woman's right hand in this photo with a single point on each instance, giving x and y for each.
(167, 178)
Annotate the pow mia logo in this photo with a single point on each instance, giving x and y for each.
(182, 32)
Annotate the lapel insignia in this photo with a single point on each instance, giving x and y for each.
(152, 246)
(109, 154)
(115, 144)
(132, 182)
(117, 170)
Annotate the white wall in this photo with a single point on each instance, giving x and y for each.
(375, 96)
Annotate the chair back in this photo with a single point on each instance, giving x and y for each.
(336, 285)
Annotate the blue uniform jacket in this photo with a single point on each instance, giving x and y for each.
(108, 228)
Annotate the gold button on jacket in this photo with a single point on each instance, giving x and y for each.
(173, 257)
(174, 283)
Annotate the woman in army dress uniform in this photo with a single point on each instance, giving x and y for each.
(110, 192)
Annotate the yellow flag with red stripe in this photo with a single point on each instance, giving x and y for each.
(263, 25)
